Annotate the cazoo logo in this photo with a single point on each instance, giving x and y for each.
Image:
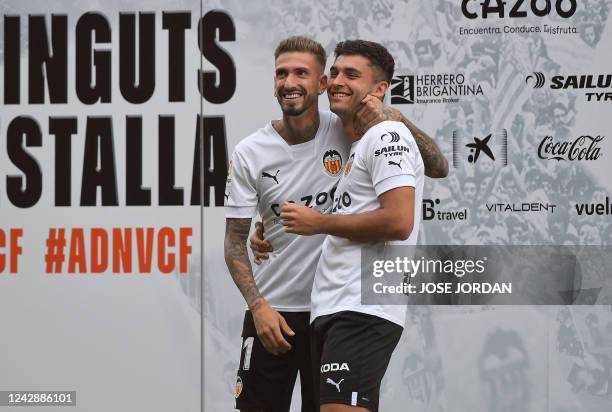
(474, 9)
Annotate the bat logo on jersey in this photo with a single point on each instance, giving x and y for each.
(392, 163)
(337, 385)
(349, 165)
(390, 137)
(332, 162)
(269, 176)
(238, 390)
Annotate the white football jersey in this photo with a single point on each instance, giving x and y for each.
(264, 173)
(385, 158)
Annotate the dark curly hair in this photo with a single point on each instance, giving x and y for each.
(376, 53)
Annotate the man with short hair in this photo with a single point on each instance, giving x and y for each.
(377, 203)
(297, 159)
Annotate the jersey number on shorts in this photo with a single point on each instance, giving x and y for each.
(247, 345)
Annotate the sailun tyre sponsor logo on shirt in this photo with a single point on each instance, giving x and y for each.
(392, 150)
(332, 162)
(390, 137)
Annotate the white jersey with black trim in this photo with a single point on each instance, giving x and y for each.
(264, 173)
(385, 158)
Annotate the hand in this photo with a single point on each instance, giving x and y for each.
(260, 247)
(369, 114)
(269, 323)
(372, 112)
(300, 219)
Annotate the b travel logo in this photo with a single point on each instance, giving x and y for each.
(433, 88)
(514, 12)
(433, 211)
(471, 150)
(583, 148)
(596, 87)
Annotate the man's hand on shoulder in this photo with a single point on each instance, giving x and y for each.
(301, 220)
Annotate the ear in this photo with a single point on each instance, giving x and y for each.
(380, 89)
(322, 83)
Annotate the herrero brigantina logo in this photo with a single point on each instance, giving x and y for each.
(432, 88)
(585, 147)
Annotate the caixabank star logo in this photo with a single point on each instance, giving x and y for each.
(472, 149)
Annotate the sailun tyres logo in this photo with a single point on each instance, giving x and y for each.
(537, 79)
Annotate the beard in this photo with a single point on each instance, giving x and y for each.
(295, 108)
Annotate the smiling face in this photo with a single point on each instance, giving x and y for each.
(351, 78)
(298, 80)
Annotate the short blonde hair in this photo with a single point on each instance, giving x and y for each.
(301, 44)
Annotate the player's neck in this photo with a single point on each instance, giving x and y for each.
(348, 124)
(298, 129)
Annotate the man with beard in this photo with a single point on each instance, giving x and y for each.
(296, 159)
(377, 203)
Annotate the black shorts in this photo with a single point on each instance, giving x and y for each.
(265, 382)
(351, 351)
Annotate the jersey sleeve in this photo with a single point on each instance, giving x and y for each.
(240, 188)
(391, 158)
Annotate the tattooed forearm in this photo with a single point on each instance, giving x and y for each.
(237, 258)
(435, 163)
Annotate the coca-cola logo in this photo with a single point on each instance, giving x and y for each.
(583, 148)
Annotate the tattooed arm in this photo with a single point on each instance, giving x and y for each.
(268, 322)
(373, 112)
(237, 259)
(436, 165)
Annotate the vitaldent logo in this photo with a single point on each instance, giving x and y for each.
(521, 207)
